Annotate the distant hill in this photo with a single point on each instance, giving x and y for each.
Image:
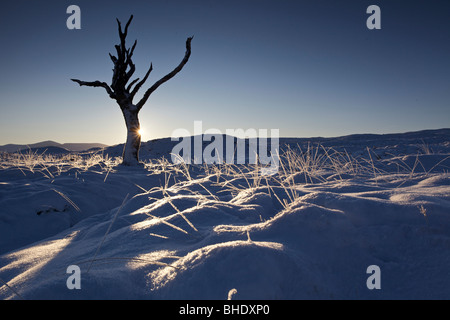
(409, 142)
(46, 150)
(54, 146)
(154, 149)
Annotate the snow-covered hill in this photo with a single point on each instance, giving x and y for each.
(46, 146)
(336, 207)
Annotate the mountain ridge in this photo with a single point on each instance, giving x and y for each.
(118, 148)
(75, 147)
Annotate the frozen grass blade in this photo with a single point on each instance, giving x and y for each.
(167, 223)
(115, 259)
(145, 191)
(107, 173)
(67, 199)
(231, 293)
(107, 231)
(437, 164)
(178, 211)
(10, 288)
(158, 235)
(210, 193)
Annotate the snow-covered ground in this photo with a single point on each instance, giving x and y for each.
(336, 207)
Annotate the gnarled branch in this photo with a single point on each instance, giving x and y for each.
(139, 85)
(96, 84)
(122, 62)
(131, 84)
(167, 77)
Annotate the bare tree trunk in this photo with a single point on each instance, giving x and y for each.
(132, 145)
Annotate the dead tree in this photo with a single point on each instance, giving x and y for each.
(123, 91)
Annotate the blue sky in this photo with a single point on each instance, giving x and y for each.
(308, 68)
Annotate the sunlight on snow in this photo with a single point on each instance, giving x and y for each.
(31, 262)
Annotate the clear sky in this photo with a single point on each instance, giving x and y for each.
(308, 68)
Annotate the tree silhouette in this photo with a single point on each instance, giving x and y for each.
(123, 91)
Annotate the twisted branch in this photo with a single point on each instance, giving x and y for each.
(168, 76)
(96, 84)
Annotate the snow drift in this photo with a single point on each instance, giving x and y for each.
(336, 207)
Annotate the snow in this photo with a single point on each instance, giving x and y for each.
(156, 232)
